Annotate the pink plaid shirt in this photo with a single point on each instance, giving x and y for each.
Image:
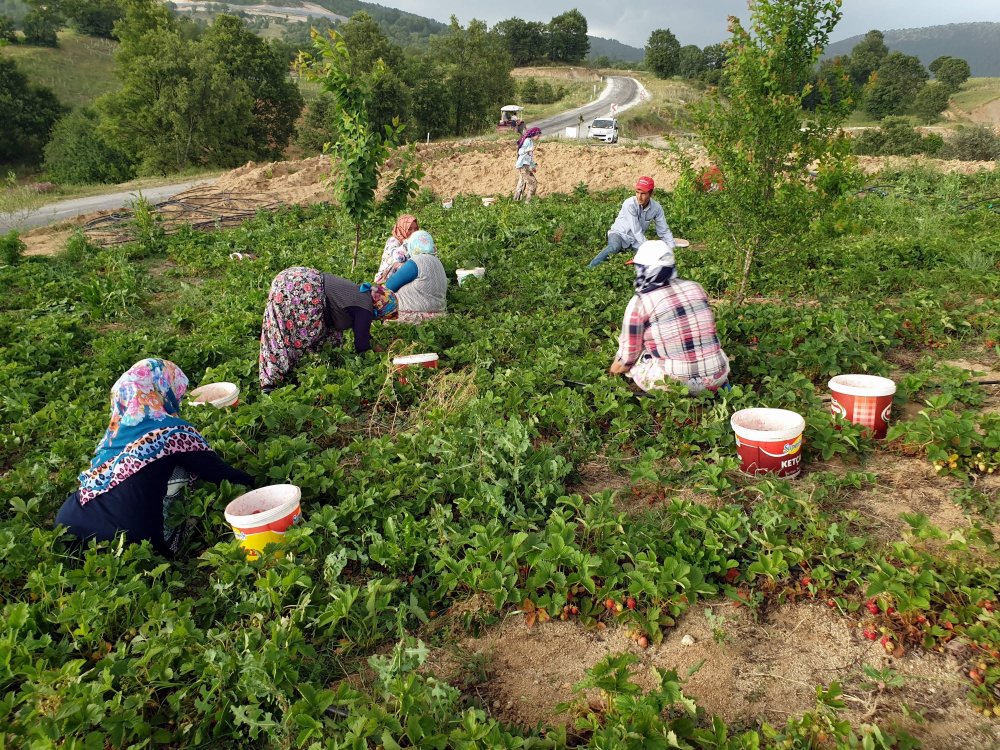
(675, 324)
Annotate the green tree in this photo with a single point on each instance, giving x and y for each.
(430, 106)
(663, 53)
(755, 133)
(29, 113)
(866, 56)
(894, 86)
(7, 30)
(40, 26)
(92, 17)
(568, 40)
(690, 61)
(78, 153)
(177, 105)
(360, 150)
(832, 84)
(318, 125)
(367, 44)
(951, 71)
(247, 58)
(525, 40)
(931, 101)
(528, 90)
(715, 60)
(476, 72)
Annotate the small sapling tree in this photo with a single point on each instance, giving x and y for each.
(360, 150)
(756, 132)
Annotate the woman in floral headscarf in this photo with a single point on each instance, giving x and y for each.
(394, 254)
(147, 457)
(306, 307)
(420, 284)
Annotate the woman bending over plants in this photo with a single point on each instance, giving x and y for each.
(147, 457)
(420, 284)
(395, 254)
(305, 307)
(669, 330)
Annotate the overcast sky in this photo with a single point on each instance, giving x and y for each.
(699, 22)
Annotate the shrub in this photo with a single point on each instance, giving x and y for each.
(11, 248)
(78, 153)
(975, 143)
(896, 137)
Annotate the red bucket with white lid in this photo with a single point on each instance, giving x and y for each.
(864, 400)
(769, 441)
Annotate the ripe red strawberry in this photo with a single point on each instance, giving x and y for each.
(831, 603)
(869, 633)
(805, 580)
(630, 602)
(872, 606)
(921, 619)
(643, 641)
(732, 574)
(609, 603)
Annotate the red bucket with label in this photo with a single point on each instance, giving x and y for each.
(769, 441)
(865, 400)
(399, 364)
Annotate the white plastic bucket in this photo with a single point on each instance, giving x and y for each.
(463, 273)
(489, 200)
(678, 242)
(769, 441)
(863, 399)
(219, 395)
(428, 359)
(261, 517)
(448, 203)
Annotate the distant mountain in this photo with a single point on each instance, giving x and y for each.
(613, 49)
(976, 43)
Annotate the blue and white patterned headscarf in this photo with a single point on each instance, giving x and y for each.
(144, 426)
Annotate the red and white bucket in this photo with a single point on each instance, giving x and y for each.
(428, 359)
(769, 441)
(865, 400)
(219, 395)
(262, 516)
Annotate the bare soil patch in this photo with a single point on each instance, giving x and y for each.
(750, 671)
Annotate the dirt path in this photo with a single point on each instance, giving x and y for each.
(476, 168)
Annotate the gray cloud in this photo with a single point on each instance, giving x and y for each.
(701, 22)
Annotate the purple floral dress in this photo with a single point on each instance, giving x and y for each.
(294, 323)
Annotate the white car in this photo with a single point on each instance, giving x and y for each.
(604, 129)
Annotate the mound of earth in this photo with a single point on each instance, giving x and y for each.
(475, 167)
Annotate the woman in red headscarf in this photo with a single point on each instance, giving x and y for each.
(395, 254)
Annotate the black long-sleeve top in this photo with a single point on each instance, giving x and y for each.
(349, 308)
(135, 506)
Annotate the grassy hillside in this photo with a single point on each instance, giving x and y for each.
(975, 93)
(78, 71)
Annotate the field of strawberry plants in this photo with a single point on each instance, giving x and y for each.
(439, 509)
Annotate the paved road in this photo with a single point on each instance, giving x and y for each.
(625, 92)
(64, 210)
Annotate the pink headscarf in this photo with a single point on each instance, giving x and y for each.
(532, 133)
(405, 226)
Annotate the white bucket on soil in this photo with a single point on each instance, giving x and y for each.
(463, 273)
(488, 201)
(219, 395)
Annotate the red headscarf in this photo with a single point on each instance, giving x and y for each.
(405, 226)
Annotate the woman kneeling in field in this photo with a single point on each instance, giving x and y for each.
(668, 332)
(147, 457)
(420, 284)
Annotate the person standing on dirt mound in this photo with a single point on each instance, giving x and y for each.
(636, 214)
(526, 165)
(668, 332)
